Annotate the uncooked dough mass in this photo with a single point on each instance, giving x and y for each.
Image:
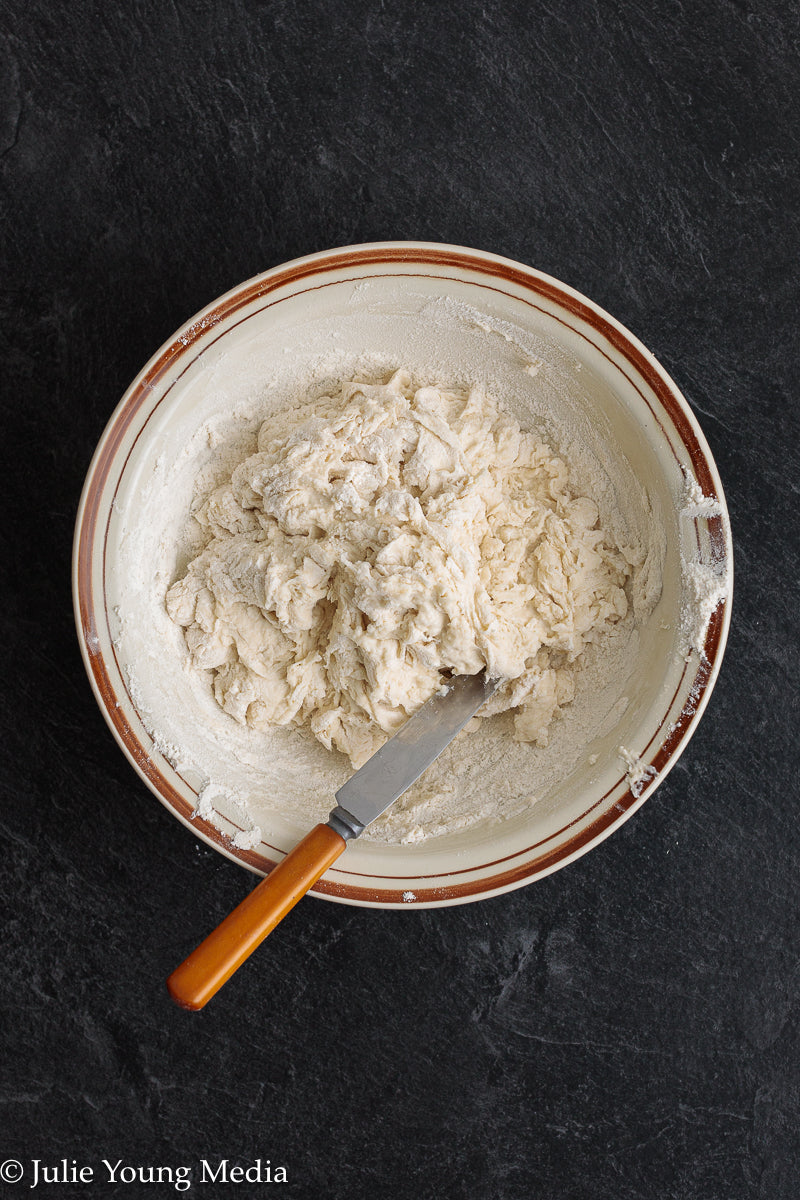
(386, 536)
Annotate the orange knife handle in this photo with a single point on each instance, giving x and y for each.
(214, 961)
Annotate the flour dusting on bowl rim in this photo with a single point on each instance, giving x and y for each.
(678, 429)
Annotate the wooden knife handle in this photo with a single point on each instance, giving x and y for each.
(211, 965)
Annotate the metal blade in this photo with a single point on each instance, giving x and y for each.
(394, 767)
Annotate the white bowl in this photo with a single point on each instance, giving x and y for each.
(454, 316)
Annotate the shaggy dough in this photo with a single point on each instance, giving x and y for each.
(381, 538)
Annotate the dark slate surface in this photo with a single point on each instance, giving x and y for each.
(628, 1027)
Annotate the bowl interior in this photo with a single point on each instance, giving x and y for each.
(565, 370)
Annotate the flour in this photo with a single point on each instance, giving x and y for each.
(211, 799)
(638, 774)
(705, 581)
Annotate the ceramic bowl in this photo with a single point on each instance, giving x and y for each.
(450, 315)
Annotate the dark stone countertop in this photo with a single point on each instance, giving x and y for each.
(626, 1028)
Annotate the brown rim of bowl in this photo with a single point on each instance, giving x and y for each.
(415, 255)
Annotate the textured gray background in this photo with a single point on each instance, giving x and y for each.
(627, 1028)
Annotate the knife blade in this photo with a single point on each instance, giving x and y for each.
(408, 753)
(368, 793)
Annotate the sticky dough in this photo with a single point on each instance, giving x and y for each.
(381, 538)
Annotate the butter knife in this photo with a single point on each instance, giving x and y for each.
(366, 795)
